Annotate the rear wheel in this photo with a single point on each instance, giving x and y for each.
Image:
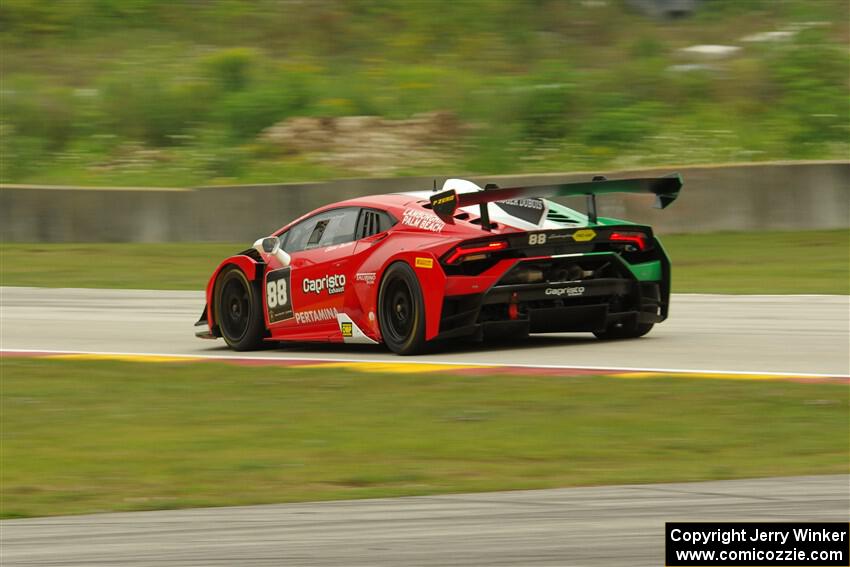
(401, 310)
(238, 311)
(624, 331)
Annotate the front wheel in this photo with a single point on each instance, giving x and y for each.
(401, 310)
(624, 331)
(238, 310)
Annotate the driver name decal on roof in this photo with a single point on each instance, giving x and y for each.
(529, 209)
(423, 220)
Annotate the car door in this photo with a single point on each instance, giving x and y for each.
(316, 278)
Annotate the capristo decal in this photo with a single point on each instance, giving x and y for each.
(278, 295)
(569, 291)
(365, 277)
(316, 315)
(334, 283)
(423, 220)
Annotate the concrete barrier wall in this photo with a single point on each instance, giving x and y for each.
(777, 196)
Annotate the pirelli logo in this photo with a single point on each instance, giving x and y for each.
(424, 263)
(444, 200)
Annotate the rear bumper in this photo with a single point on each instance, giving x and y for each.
(555, 306)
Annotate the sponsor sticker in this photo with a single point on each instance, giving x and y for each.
(333, 283)
(365, 277)
(422, 220)
(278, 295)
(424, 263)
(530, 210)
(584, 235)
(568, 291)
(316, 315)
(337, 246)
(347, 329)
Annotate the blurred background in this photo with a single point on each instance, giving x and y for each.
(182, 130)
(165, 93)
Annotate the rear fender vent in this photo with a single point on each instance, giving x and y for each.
(555, 216)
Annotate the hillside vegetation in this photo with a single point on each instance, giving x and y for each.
(162, 92)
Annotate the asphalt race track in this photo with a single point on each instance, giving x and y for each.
(610, 526)
(790, 334)
(578, 526)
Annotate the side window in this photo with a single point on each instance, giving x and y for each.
(325, 229)
(372, 221)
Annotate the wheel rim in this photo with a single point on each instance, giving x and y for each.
(399, 311)
(235, 309)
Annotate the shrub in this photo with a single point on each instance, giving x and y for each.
(248, 112)
(151, 107)
(39, 110)
(231, 68)
(620, 123)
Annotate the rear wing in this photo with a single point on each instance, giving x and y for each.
(665, 189)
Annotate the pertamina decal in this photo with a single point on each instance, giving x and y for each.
(424, 263)
(278, 295)
(584, 235)
(316, 315)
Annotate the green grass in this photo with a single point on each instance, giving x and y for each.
(758, 262)
(761, 262)
(153, 92)
(89, 436)
(119, 266)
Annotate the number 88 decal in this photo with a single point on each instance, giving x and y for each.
(276, 293)
(536, 239)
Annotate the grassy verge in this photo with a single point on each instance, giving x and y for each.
(151, 92)
(762, 262)
(100, 436)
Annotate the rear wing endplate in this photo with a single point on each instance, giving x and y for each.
(665, 189)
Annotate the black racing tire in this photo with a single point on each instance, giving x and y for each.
(624, 331)
(238, 311)
(401, 310)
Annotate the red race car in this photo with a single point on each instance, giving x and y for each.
(412, 269)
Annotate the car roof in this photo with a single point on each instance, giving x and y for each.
(397, 203)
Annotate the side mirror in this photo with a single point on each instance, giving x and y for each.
(270, 246)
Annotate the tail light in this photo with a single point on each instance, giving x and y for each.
(475, 251)
(636, 239)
